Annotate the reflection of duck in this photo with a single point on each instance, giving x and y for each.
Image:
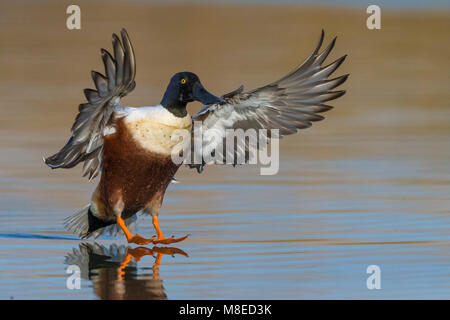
(115, 275)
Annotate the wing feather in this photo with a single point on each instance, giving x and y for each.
(86, 143)
(288, 104)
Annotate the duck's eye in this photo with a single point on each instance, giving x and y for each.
(183, 81)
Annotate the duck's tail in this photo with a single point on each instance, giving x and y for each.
(78, 223)
(85, 225)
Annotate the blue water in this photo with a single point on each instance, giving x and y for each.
(309, 232)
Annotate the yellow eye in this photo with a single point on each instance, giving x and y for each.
(183, 81)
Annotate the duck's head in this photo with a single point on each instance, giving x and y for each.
(185, 87)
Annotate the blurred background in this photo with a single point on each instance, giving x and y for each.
(370, 185)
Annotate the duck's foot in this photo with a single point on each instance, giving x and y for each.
(130, 238)
(140, 240)
(169, 250)
(140, 252)
(163, 240)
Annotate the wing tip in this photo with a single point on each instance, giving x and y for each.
(115, 38)
(319, 45)
(104, 53)
(344, 77)
(125, 37)
(333, 42)
(337, 63)
(123, 31)
(48, 163)
(44, 159)
(337, 94)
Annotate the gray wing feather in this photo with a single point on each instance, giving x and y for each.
(86, 143)
(288, 104)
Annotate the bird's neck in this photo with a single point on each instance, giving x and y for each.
(174, 103)
(177, 110)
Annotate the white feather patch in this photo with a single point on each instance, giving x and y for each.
(109, 130)
(153, 127)
(214, 127)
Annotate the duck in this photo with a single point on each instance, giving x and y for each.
(132, 148)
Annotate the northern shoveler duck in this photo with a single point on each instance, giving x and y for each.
(133, 146)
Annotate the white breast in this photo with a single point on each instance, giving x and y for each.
(153, 128)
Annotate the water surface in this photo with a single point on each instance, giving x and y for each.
(370, 185)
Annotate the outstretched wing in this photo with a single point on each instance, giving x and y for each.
(293, 102)
(96, 116)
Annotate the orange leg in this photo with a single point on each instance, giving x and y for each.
(156, 266)
(160, 237)
(130, 238)
(123, 265)
(139, 252)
